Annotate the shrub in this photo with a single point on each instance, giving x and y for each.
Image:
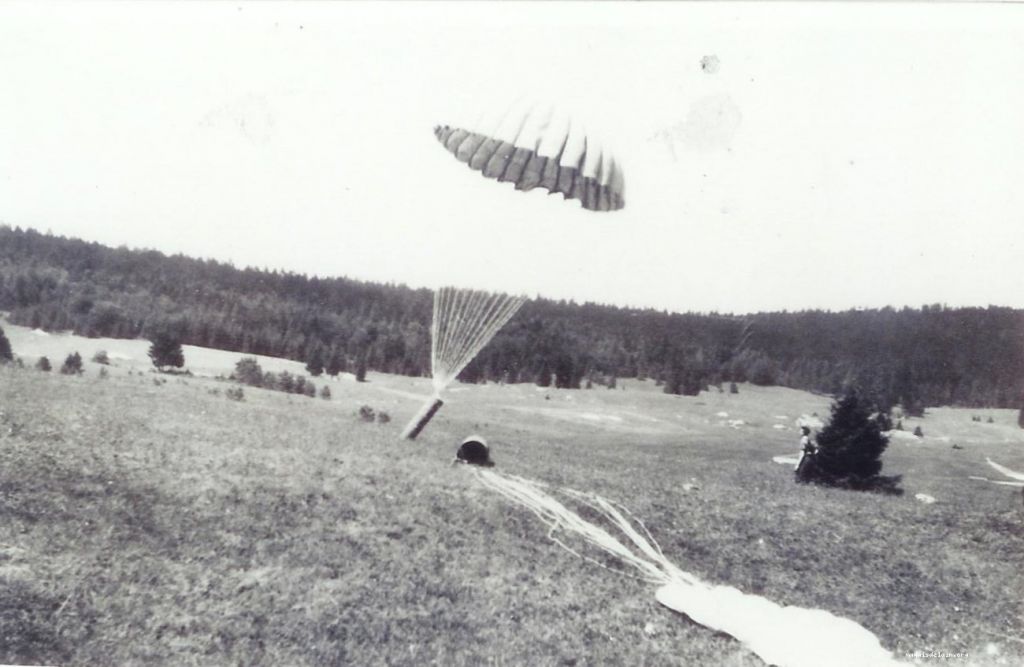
(5, 348)
(44, 364)
(366, 413)
(165, 349)
(1020, 417)
(235, 393)
(72, 364)
(383, 417)
(918, 432)
(315, 364)
(309, 390)
(850, 446)
(248, 371)
(101, 357)
(733, 388)
(104, 374)
(285, 382)
(325, 393)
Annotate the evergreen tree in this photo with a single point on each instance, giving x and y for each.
(361, 369)
(72, 364)
(248, 371)
(165, 349)
(1020, 417)
(285, 382)
(325, 393)
(336, 363)
(5, 348)
(43, 364)
(850, 446)
(315, 364)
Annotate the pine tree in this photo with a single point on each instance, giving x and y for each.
(72, 364)
(336, 363)
(165, 349)
(248, 371)
(361, 369)
(43, 364)
(5, 348)
(315, 364)
(285, 382)
(850, 446)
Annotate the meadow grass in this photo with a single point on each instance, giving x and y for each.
(145, 523)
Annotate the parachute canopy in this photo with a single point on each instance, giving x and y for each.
(533, 146)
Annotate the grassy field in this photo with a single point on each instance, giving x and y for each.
(148, 519)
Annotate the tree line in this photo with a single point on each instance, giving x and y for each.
(933, 355)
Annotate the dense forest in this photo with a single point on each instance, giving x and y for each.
(917, 357)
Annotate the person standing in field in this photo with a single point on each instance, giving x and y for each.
(807, 451)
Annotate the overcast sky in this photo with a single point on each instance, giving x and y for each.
(838, 155)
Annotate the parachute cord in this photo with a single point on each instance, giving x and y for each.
(650, 562)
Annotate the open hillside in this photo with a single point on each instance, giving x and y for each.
(931, 356)
(148, 518)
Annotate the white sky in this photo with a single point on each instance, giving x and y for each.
(841, 156)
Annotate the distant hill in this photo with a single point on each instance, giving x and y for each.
(915, 356)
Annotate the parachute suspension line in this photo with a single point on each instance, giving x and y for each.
(776, 633)
(464, 322)
(639, 551)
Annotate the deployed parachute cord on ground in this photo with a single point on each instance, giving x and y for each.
(464, 321)
(779, 635)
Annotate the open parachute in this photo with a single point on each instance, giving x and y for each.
(533, 146)
(529, 146)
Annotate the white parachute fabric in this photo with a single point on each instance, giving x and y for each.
(1012, 474)
(780, 635)
(536, 145)
(997, 481)
(464, 322)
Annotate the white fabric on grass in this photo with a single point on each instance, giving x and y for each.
(779, 635)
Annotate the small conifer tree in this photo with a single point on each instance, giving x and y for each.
(850, 446)
(285, 382)
(335, 364)
(248, 371)
(44, 364)
(165, 349)
(5, 348)
(72, 364)
(315, 365)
